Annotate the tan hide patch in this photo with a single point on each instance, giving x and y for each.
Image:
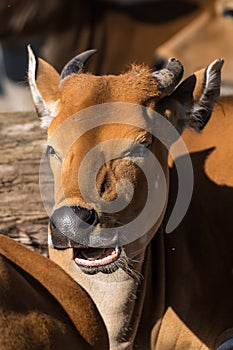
(175, 335)
(217, 134)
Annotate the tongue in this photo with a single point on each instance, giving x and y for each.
(92, 253)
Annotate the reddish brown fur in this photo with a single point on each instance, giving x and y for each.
(85, 90)
(39, 303)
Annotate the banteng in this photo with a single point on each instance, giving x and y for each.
(106, 120)
(206, 37)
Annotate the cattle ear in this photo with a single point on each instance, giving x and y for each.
(43, 80)
(196, 97)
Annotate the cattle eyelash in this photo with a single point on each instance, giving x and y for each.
(51, 152)
(147, 145)
(133, 150)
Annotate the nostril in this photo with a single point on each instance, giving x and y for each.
(86, 215)
(52, 225)
(94, 219)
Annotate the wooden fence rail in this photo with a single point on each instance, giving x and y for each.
(22, 215)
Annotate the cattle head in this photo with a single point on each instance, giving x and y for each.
(102, 148)
(57, 98)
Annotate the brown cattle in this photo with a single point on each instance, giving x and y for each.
(41, 307)
(207, 36)
(198, 253)
(98, 136)
(63, 29)
(122, 31)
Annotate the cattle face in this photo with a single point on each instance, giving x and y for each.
(206, 37)
(91, 120)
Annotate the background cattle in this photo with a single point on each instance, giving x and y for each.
(123, 32)
(209, 35)
(199, 251)
(41, 307)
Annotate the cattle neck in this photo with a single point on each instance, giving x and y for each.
(119, 296)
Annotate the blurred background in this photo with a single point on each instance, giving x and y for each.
(123, 31)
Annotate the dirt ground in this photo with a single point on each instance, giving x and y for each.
(22, 215)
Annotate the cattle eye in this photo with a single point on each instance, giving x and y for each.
(228, 12)
(138, 150)
(51, 152)
(147, 144)
(146, 141)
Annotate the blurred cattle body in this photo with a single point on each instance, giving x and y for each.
(209, 35)
(122, 32)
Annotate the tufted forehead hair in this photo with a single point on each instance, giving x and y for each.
(59, 96)
(135, 85)
(80, 91)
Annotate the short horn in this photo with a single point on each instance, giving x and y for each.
(169, 77)
(77, 64)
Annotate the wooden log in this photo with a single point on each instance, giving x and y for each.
(22, 215)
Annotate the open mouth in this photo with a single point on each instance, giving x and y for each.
(93, 260)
